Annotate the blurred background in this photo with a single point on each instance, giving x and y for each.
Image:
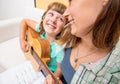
(19, 8)
(11, 14)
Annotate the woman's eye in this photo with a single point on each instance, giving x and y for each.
(70, 2)
(61, 19)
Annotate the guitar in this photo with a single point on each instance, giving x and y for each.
(40, 52)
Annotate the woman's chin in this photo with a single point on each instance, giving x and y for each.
(73, 32)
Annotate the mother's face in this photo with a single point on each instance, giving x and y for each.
(84, 14)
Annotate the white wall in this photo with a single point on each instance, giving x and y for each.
(14, 8)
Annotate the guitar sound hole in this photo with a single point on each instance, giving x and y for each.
(43, 73)
(31, 50)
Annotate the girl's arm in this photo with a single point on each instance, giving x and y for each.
(58, 72)
(25, 23)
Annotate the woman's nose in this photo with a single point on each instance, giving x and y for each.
(66, 13)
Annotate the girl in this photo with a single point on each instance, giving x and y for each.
(50, 27)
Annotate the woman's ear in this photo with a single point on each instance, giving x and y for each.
(105, 2)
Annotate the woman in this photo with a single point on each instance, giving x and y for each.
(93, 56)
(50, 28)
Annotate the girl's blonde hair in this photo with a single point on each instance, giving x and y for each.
(55, 6)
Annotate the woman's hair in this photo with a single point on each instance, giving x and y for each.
(106, 29)
(55, 6)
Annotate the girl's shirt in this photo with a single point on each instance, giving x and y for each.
(56, 52)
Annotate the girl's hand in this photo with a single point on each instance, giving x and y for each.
(49, 80)
(24, 46)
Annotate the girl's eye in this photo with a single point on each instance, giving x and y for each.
(51, 14)
(58, 17)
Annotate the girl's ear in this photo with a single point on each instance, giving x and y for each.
(43, 16)
(105, 2)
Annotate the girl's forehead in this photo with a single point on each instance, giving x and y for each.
(53, 11)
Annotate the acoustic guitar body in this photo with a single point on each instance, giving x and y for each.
(39, 54)
(40, 46)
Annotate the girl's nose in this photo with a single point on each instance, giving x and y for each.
(54, 19)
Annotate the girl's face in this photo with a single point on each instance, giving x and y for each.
(53, 23)
(83, 13)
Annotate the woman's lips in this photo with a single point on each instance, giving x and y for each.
(69, 23)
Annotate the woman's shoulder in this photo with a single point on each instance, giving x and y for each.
(114, 59)
(116, 50)
(67, 49)
(118, 44)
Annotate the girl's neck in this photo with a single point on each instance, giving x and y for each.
(50, 38)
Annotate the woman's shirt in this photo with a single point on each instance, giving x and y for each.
(67, 69)
(56, 52)
(104, 71)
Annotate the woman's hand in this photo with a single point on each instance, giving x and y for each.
(49, 80)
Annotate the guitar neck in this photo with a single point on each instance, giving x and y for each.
(43, 67)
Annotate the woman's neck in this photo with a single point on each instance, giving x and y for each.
(86, 42)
